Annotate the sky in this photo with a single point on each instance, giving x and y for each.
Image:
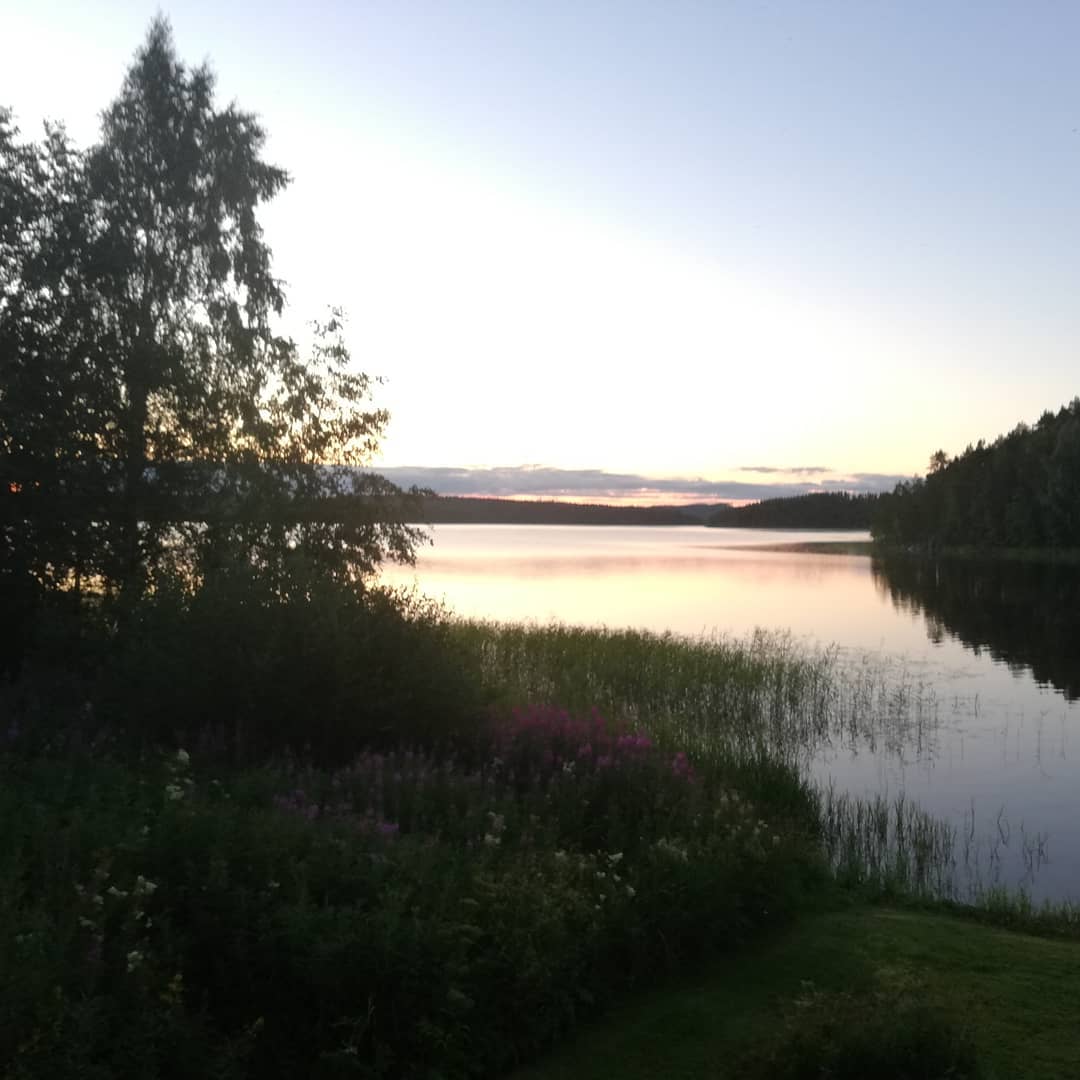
(649, 251)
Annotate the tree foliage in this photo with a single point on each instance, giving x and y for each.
(1022, 490)
(817, 510)
(153, 420)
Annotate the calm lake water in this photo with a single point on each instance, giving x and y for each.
(991, 654)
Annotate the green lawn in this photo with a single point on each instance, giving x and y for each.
(1017, 995)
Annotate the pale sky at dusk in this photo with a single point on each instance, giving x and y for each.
(653, 239)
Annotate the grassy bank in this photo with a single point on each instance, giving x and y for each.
(442, 899)
(1011, 995)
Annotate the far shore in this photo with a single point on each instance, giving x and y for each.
(813, 547)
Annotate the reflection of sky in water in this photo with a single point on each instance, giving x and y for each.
(1000, 741)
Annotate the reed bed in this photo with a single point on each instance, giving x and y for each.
(724, 696)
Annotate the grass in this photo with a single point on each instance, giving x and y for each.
(1014, 994)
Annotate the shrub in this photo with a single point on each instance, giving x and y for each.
(253, 672)
(844, 1038)
(413, 914)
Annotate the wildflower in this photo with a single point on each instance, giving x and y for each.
(134, 959)
(631, 891)
(144, 887)
(388, 828)
(85, 922)
(120, 894)
(615, 857)
(174, 792)
(183, 757)
(560, 855)
(491, 841)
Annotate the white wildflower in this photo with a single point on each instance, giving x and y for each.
(144, 887)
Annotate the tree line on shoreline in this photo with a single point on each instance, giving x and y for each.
(816, 510)
(1020, 491)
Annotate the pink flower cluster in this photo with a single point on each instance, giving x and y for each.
(542, 739)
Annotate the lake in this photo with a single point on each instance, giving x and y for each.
(989, 653)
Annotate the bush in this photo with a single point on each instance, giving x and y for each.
(253, 672)
(843, 1038)
(410, 915)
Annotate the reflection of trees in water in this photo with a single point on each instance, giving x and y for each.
(1026, 615)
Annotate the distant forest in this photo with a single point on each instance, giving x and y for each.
(1022, 490)
(461, 510)
(820, 510)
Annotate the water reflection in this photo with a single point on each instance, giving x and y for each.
(1026, 615)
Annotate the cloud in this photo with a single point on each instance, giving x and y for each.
(541, 482)
(796, 470)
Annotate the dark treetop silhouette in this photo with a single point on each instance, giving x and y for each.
(152, 421)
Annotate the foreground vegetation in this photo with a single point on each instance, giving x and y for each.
(438, 900)
(358, 857)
